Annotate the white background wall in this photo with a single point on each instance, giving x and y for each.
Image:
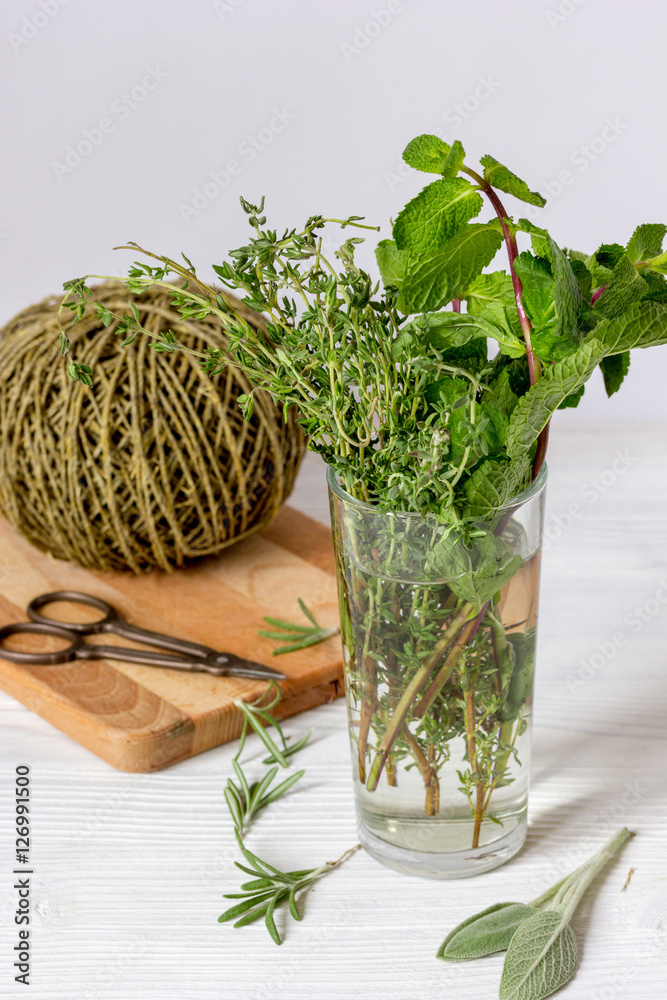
(332, 90)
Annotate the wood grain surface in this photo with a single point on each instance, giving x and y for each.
(141, 718)
(129, 869)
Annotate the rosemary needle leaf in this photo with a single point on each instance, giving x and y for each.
(287, 626)
(294, 748)
(242, 780)
(294, 637)
(282, 788)
(259, 789)
(253, 915)
(311, 640)
(248, 904)
(270, 922)
(292, 904)
(307, 612)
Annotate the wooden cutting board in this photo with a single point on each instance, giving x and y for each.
(140, 718)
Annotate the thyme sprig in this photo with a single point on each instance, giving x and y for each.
(294, 637)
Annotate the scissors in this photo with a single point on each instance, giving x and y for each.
(185, 656)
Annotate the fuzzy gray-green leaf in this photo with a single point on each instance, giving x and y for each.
(484, 933)
(541, 958)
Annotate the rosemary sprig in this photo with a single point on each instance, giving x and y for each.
(269, 886)
(295, 637)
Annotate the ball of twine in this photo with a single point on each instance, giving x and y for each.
(152, 467)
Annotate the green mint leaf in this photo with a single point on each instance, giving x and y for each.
(391, 262)
(583, 276)
(492, 484)
(492, 566)
(454, 161)
(624, 288)
(539, 303)
(609, 254)
(542, 957)
(502, 392)
(520, 685)
(492, 297)
(658, 263)
(438, 278)
(646, 242)
(643, 325)
(427, 153)
(572, 401)
(446, 330)
(439, 211)
(502, 178)
(567, 294)
(656, 286)
(484, 933)
(614, 369)
(534, 410)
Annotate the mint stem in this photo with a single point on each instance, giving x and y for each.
(534, 370)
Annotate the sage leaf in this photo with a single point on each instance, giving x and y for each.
(484, 933)
(542, 957)
(503, 178)
(436, 214)
(438, 278)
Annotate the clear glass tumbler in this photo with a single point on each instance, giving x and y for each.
(439, 644)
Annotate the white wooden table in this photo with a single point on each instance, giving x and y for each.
(130, 869)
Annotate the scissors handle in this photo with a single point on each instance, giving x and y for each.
(78, 649)
(211, 661)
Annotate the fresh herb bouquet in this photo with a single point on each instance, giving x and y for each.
(429, 396)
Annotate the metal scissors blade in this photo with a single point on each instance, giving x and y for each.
(191, 655)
